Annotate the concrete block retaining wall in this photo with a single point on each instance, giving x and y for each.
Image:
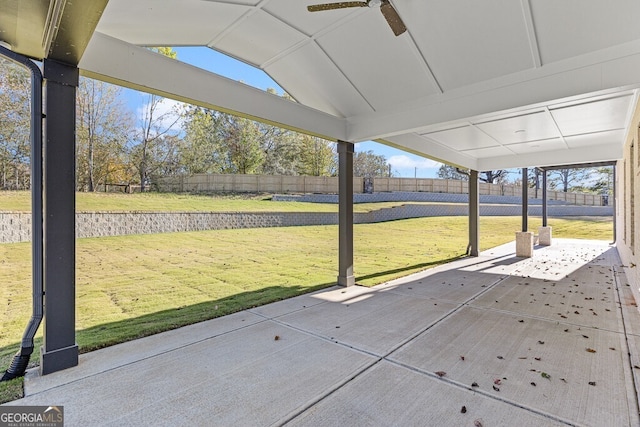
(16, 226)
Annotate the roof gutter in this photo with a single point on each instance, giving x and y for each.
(20, 361)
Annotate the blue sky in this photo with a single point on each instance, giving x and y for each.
(403, 164)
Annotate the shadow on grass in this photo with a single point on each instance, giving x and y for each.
(421, 266)
(108, 334)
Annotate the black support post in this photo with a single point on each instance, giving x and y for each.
(525, 200)
(60, 350)
(345, 215)
(474, 214)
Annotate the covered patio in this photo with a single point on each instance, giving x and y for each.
(544, 341)
(480, 85)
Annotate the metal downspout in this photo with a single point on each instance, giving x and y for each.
(21, 359)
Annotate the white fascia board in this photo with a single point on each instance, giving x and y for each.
(604, 72)
(420, 146)
(115, 61)
(596, 153)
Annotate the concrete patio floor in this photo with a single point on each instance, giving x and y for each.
(490, 341)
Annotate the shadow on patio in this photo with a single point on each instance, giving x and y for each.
(494, 340)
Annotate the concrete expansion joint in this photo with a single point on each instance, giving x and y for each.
(484, 393)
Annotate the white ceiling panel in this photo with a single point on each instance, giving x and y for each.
(379, 78)
(596, 116)
(614, 137)
(538, 146)
(467, 41)
(528, 127)
(462, 138)
(311, 78)
(569, 28)
(259, 38)
(169, 22)
(295, 13)
(483, 153)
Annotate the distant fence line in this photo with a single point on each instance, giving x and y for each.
(211, 183)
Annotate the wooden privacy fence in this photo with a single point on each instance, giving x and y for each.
(213, 183)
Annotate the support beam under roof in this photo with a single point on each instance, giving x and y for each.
(115, 61)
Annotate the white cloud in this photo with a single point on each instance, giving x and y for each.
(406, 162)
(166, 114)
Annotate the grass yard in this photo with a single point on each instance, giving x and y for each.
(183, 202)
(133, 286)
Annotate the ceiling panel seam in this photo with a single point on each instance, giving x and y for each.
(235, 24)
(553, 120)
(429, 72)
(364, 98)
(531, 33)
(499, 144)
(310, 38)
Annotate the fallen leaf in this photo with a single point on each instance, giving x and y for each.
(463, 410)
(563, 380)
(612, 348)
(441, 373)
(590, 350)
(533, 384)
(592, 383)
(500, 357)
(540, 342)
(521, 358)
(496, 388)
(584, 336)
(497, 381)
(566, 330)
(478, 423)
(545, 375)
(521, 321)
(475, 385)
(461, 357)
(538, 358)
(277, 337)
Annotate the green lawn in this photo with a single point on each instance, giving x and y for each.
(172, 202)
(132, 286)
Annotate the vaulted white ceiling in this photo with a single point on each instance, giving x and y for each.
(480, 84)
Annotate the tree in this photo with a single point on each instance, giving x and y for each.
(156, 140)
(494, 177)
(15, 114)
(202, 150)
(155, 147)
(369, 164)
(103, 126)
(316, 156)
(564, 178)
(243, 146)
(451, 172)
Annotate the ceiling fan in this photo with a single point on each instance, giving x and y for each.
(389, 13)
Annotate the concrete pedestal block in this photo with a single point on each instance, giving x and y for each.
(544, 236)
(524, 244)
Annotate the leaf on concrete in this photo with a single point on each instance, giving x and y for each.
(545, 375)
(463, 410)
(496, 388)
(441, 373)
(475, 385)
(592, 383)
(590, 350)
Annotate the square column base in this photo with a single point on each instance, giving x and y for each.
(57, 360)
(544, 236)
(346, 281)
(524, 244)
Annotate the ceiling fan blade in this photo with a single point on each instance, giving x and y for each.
(392, 17)
(339, 5)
